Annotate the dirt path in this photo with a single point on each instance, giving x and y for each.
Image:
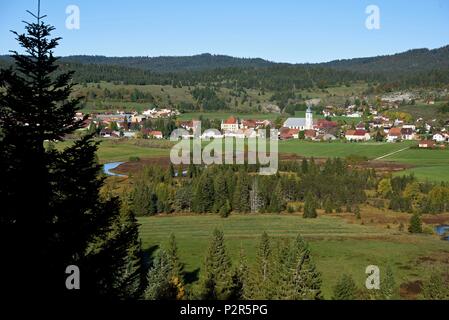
(391, 153)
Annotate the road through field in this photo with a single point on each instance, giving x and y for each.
(391, 153)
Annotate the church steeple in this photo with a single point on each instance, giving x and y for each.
(309, 118)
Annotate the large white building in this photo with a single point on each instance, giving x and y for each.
(301, 123)
(231, 124)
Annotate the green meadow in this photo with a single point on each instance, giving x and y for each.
(337, 246)
(428, 164)
(111, 152)
(370, 150)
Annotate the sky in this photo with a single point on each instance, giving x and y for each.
(295, 31)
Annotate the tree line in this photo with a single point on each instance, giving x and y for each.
(223, 189)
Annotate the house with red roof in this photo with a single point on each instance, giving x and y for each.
(394, 134)
(286, 133)
(323, 124)
(357, 135)
(155, 134)
(310, 134)
(426, 144)
(230, 124)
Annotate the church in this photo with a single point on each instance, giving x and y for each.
(301, 123)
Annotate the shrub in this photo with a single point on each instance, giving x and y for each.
(134, 159)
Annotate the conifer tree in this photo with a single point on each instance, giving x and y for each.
(63, 215)
(240, 285)
(282, 287)
(241, 195)
(141, 200)
(388, 285)
(328, 206)
(415, 224)
(225, 210)
(216, 275)
(306, 278)
(436, 288)
(203, 194)
(263, 256)
(277, 202)
(310, 206)
(260, 280)
(345, 289)
(160, 286)
(220, 192)
(357, 212)
(172, 251)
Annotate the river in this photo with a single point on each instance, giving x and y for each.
(443, 230)
(107, 167)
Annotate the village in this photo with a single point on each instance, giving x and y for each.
(362, 128)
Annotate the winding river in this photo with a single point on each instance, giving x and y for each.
(107, 167)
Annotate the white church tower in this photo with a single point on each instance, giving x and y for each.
(309, 118)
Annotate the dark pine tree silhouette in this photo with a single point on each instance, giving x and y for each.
(53, 216)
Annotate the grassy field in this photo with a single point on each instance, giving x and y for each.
(111, 150)
(429, 164)
(336, 245)
(371, 150)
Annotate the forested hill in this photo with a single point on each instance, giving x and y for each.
(417, 60)
(167, 64)
(414, 68)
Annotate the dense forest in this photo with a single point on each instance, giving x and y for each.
(333, 186)
(414, 68)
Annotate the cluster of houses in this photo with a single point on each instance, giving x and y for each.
(121, 123)
(378, 127)
(320, 130)
(231, 127)
(129, 124)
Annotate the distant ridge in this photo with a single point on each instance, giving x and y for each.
(409, 61)
(416, 60)
(167, 64)
(413, 68)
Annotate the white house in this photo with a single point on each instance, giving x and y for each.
(408, 134)
(155, 134)
(394, 134)
(439, 137)
(357, 135)
(129, 134)
(211, 134)
(231, 124)
(354, 115)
